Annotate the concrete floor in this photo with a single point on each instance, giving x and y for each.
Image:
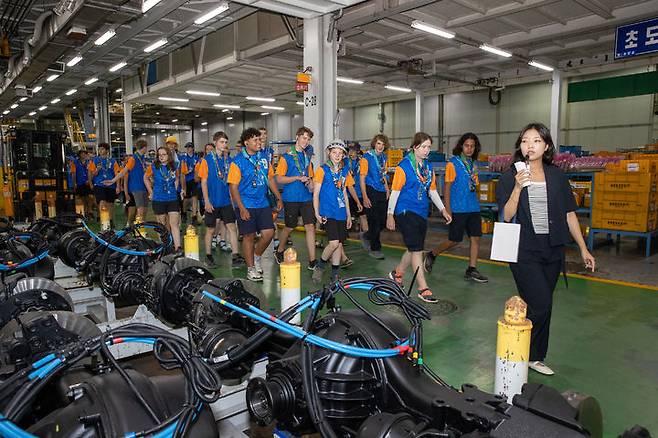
(604, 331)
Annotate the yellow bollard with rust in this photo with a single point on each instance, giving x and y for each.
(106, 219)
(291, 282)
(191, 243)
(512, 349)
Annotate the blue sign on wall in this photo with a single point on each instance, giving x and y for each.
(636, 39)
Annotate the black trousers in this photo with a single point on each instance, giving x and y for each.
(536, 275)
(376, 216)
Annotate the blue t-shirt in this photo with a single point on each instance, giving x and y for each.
(216, 179)
(376, 170)
(355, 168)
(295, 191)
(190, 161)
(462, 198)
(136, 174)
(414, 194)
(164, 183)
(81, 172)
(105, 168)
(251, 174)
(332, 201)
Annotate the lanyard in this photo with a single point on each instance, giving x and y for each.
(471, 171)
(337, 177)
(295, 156)
(421, 171)
(217, 168)
(168, 176)
(141, 161)
(255, 164)
(380, 162)
(354, 166)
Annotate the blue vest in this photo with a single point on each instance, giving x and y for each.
(355, 168)
(190, 162)
(164, 184)
(462, 199)
(332, 201)
(136, 175)
(376, 170)
(105, 167)
(217, 186)
(81, 172)
(254, 180)
(414, 195)
(296, 191)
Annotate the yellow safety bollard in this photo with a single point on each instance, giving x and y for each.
(106, 223)
(291, 282)
(191, 243)
(140, 230)
(80, 207)
(512, 349)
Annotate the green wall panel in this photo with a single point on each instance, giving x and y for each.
(610, 88)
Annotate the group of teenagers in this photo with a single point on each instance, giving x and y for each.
(243, 193)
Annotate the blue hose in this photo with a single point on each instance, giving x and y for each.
(120, 234)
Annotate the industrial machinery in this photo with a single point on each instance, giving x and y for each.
(26, 252)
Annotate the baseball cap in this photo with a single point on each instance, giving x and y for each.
(189, 144)
(171, 139)
(337, 144)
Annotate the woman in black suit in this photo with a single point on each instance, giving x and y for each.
(540, 199)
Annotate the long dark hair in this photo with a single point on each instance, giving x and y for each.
(459, 147)
(545, 135)
(170, 158)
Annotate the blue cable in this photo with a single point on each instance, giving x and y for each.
(10, 430)
(121, 233)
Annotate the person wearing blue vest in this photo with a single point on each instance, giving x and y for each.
(133, 174)
(332, 208)
(102, 170)
(80, 176)
(213, 171)
(413, 186)
(461, 196)
(164, 180)
(295, 173)
(249, 177)
(191, 159)
(356, 203)
(375, 191)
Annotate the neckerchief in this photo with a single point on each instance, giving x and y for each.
(422, 171)
(354, 165)
(218, 169)
(381, 163)
(339, 180)
(104, 167)
(470, 168)
(256, 164)
(140, 159)
(295, 156)
(168, 176)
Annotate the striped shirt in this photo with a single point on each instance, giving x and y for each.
(538, 201)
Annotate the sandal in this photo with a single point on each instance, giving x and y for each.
(427, 297)
(396, 277)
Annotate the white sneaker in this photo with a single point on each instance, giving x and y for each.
(258, 265)
(253, 274)
(541, 368)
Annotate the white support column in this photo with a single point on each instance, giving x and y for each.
(128, 127)
(556, 102)
(419, 110)
(320, 99)
(102, 116)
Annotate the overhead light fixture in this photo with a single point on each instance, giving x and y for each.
(117, 99)
(32, 113)
(13, 106)
(118, 90)
(261, 99)
(278, 108)
(173, 99)
(211, 13)
(52, 77)
(23, 99)
(264, 114)
(421, 25)
(5, 112)
(204, 129)
(143, 133)
(118, 66)
(540, 66)
(36, 89)
(87, 82)
(41, 108)
(197, 115)
(148, 4)
(105, 37)
(229, 118)
(113, 133)
(225, 110)
(73, 61)
(162, 130)
(155, 45)
(349, 81)
(204, 123)
(57, 99)
(75, 107)
(221, 105)
(157, 123)
(496, 51)
(71, 91)
(394, 88)
(174, 120)
(230, 125)
(157, 114)
(203, 93)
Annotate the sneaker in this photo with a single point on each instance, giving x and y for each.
(396, 277)
(278, 256)
(289, 242)
(318, 273)
(474, 274)
(346, 263)
(178, 252)
(257, 264)
(222, 245)
(377, 255)
(334, 277)
(365, 243)
(253, 274)
(428, 261)
(213, 243)
(194, 221)
(237, 261)
(319, 244)
(426, 295)
(312, 265)
(210, 261)
(228, 248)
(541, 368)
(276, 243)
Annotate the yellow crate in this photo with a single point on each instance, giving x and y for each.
(487, 191)
(636, 201)
(638, 165)
(392, 162)
(624, 220)
(395, 153)
(624, 182)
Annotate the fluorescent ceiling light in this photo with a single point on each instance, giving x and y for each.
(261, 99)
(229, 118)
(157, 123)
(148, 4)
(204, 129)
(87, 82)
(118, 66)
(394, 88)
(117, 100)
(300, 103)
(143, 133)
(264, 114)
(220, 105)
(204, 123)
(118, 90)
(181, 108)
(157, 114)
(162, 130)
(155, 45)
(173, 99)
(15, 105)
(496, 51)
(75, 107)
(420, 25)
(23, 99)
(106, 36)
(197, 115)
(73, 61)
(225, 110)
(113, 133)
(349, 81)
(230, 125)
(174, 120)
(72, 91)
(211, 13)
(36, 89)
(52, 78)
(540, 66)
(32, 113)
(57, 99)
(278, 108)
(203, 93)
(5, 112)
(41, 108)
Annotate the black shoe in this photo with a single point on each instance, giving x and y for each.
(210, 261)
(237, 261)
(194, 221)
(278, 256)
(473, 274)
(179, 252)
(289, 242)
(311, 265)
(428, 261)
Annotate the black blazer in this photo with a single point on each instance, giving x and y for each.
(560, 202)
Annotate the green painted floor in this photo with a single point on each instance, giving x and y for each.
(604, 337)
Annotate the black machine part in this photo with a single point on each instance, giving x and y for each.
(351, 390)
(32, 294)
(104, 406)
(12, 249)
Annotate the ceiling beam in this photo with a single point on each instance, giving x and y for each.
(498, 12)
(345, 24)
(545, 13)
(468, 4)
(596, 7)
